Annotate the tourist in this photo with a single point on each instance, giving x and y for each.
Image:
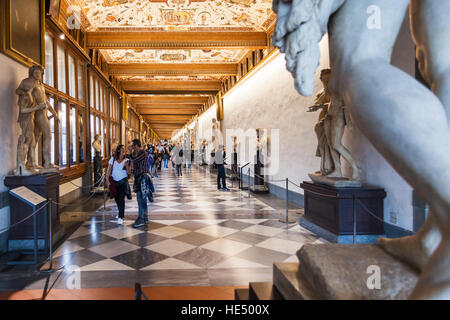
(219, 160)
(140, 169)
(118, 168)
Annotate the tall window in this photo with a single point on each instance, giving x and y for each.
(92, 134)
(80, 82)
(61, 69)
(62, 134)
(52, 130)
(73, 135)
(49, 74)
(65, 82)
(72, 79)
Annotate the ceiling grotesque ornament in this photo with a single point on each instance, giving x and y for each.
(250, 15)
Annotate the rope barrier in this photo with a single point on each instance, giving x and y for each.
(92, 185)
(378, 218)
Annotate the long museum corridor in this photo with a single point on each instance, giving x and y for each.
(224, 149)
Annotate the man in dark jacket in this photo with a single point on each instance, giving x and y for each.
(219, 159)
(139, 164)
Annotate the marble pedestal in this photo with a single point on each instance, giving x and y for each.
(330, 212)
(46, 185)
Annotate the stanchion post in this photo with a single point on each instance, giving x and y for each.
(50, 236)
(354, 219)
(287, 202)
(249, 182)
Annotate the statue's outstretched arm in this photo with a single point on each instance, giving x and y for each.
(301, 24)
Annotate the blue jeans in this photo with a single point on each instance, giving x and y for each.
(165, 162)
(142, 204)
(221, 176)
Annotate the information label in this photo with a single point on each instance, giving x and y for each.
(28, 196)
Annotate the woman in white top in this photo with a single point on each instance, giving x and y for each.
(118, 168)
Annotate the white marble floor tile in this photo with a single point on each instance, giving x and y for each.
(285, 246)
(217, 231)
(106, 265)
(169, 232)
(263, 230)
(122, 232)
(235, 262)
(114, 248)
(226, 247)
(170, 247)
(170, 264)
(80, 232)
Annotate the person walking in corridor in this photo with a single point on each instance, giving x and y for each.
(139, 165)
(118, 169)
(219, 160)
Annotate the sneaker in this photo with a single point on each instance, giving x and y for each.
(119, 221)
(226, 189)
(138, 224)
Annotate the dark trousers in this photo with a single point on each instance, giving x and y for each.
(120, 197)
(179, 171)
(221, 176)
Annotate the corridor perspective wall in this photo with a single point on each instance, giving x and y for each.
(10, 77)
(268, 99)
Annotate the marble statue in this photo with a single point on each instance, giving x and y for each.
(26, 143)
(34, 105)
(215, 135)
(333, 118)
(405, 121)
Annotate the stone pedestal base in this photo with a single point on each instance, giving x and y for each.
(338, 272)
(47, 186)
(338, 213)
(259, 188)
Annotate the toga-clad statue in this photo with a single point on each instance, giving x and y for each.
(329, 129)
(34, 122)
(404, 120)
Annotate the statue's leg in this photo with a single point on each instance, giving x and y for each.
(405, 122)
(335, 156)
(337, 132)
(44, 126)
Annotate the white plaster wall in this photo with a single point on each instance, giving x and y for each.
(268, 99)
(12, 73)
(70, 186)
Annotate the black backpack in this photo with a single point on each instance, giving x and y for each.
(180, 153)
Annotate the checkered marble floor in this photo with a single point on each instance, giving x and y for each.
(194, 192)
(177, 249)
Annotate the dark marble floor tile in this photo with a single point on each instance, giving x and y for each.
(296, 236)
(79, 258)
(155, 225)
(139, 258)
(235, 224)
(201, 257)
(195, 238)
(174, 278)
(190, 225)
(273, 223)
(247, 237)
(93, 239)
(263, 256)
(144, 239)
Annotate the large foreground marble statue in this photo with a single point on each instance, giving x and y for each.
(406, 122)
(34, 122)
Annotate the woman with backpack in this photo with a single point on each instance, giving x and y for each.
(117, 179)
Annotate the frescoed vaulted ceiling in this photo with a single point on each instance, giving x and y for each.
(178, 14)
(170, 56)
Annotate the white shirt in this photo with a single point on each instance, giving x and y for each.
(118, 172)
